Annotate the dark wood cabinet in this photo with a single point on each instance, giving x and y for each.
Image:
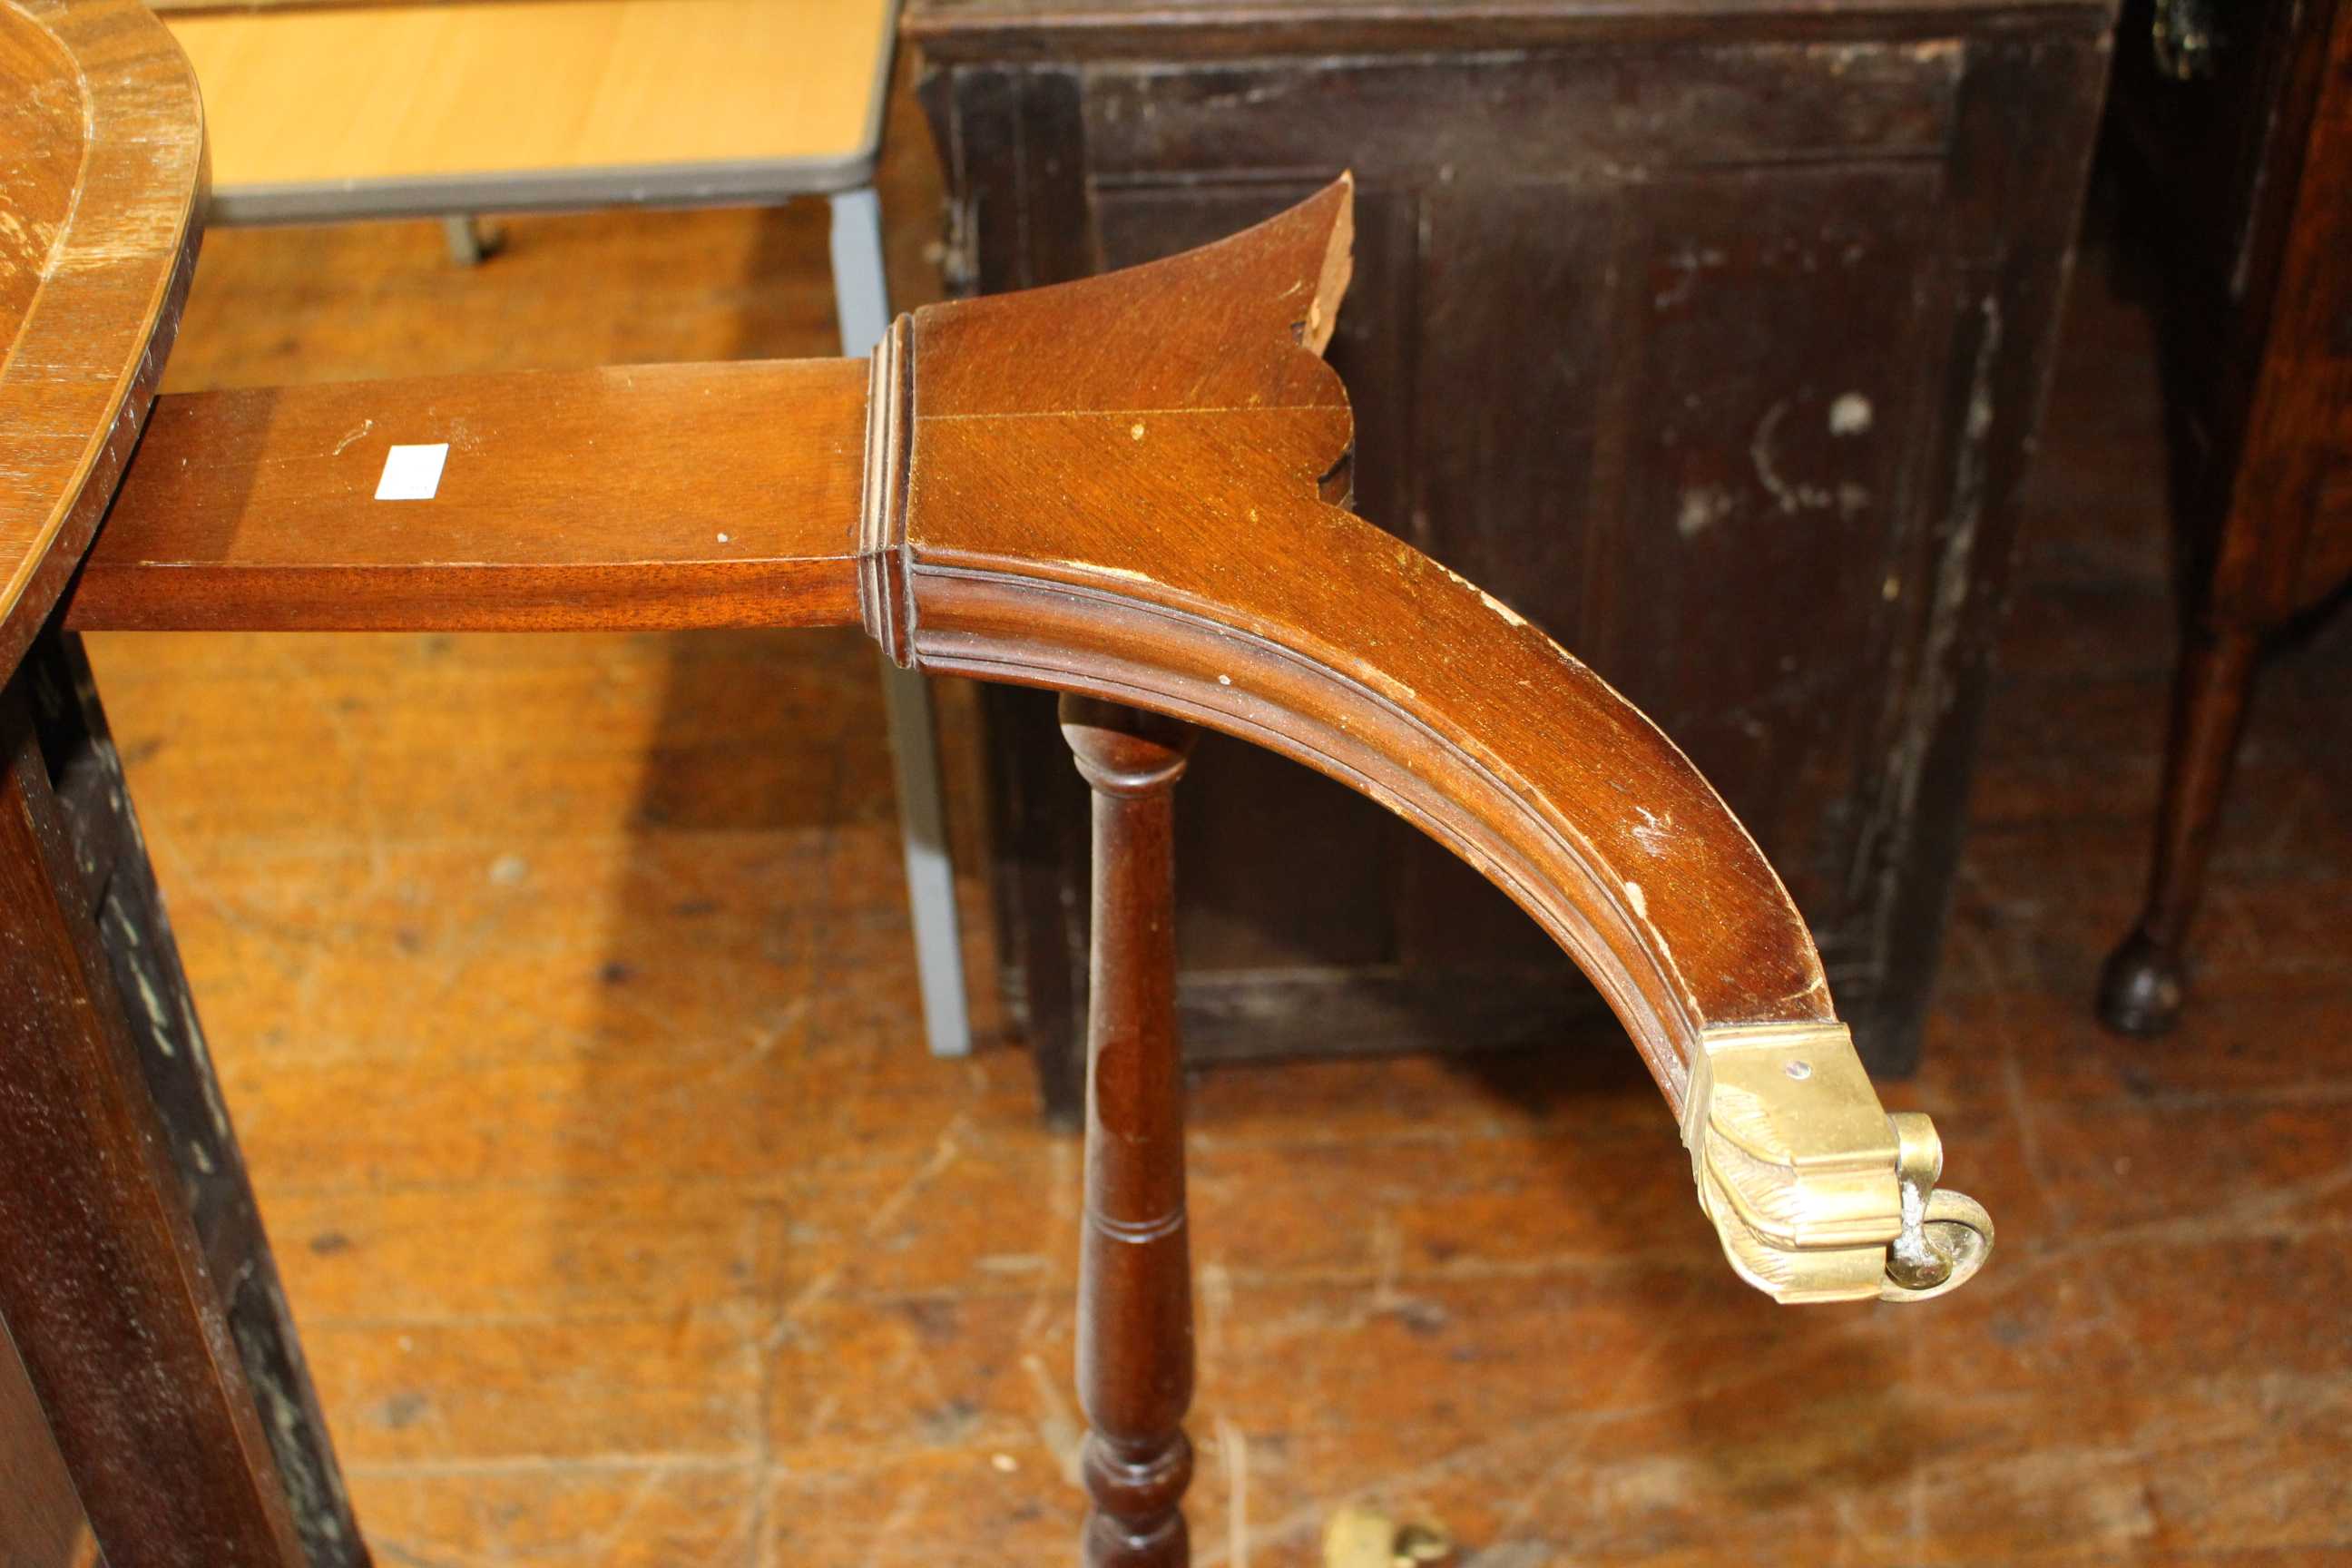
(1711, 337)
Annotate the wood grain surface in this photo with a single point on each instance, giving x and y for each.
(358, 94)
(177, 1103)
(645, 496)
(104, 1284)
(1135, 1331)
(104, 142)
(41, 1522)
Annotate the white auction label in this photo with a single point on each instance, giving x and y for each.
(412, 473)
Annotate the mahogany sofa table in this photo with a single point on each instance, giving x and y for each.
(1124, 489)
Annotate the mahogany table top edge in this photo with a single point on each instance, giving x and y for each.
(106, 137)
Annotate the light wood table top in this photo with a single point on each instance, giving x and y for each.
(386, 111)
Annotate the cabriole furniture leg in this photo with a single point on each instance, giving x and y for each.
(2258, 336)
(2141, 988)
(1135, 1283)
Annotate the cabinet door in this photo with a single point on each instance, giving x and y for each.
(1677, 422)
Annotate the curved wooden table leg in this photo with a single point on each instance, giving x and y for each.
(2140, 989)
(1128, 488)
(1135, 1281)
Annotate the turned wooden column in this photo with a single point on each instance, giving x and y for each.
(1135, 1275)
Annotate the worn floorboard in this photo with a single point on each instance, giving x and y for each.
(562, 993)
